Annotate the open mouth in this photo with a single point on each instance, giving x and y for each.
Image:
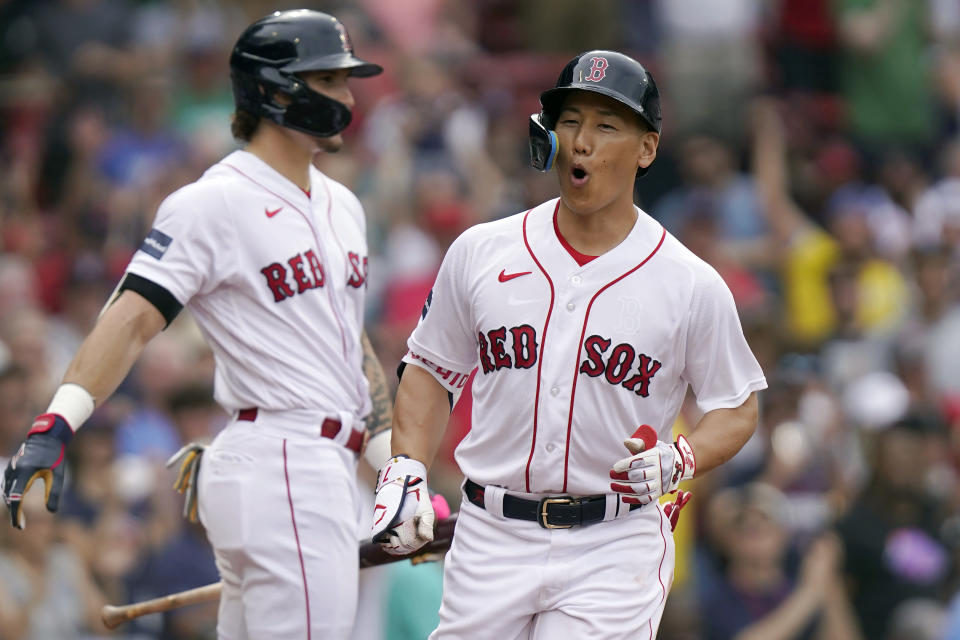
(579, 176)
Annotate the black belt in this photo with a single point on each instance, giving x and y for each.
(552, 512)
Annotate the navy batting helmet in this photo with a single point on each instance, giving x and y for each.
(613, 74)
(269, 54)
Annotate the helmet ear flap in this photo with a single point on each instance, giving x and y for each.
(543, 143)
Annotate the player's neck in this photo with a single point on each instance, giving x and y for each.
(283, 154)
(596, 232)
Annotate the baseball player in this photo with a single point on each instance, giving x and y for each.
(270, 256)
(585, 320)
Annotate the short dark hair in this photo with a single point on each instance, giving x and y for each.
(244, 124)
(190, 395)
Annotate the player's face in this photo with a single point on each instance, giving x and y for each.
(332, 84)
(602, 144)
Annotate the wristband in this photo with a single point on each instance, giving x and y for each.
(73, 403)
(378, 449)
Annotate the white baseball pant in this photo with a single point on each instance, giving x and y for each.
(514, 580)
(279, 505)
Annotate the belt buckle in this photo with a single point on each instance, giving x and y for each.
(543, 511)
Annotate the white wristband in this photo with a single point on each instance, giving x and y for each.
(73, 403)
(378, 449)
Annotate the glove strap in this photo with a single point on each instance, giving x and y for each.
(685, 462)
(52, 424)
(400, 466)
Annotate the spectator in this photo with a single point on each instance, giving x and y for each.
(105, 530)
(185, 561)
(148, 430)
(195, 415)
(891, 534)
(24, 331)
(87, 43)
(833, 281)
(936, 212)
(15, 407)
(709, 170)
(710, 63)
(885, 74)
(45, 589)
(759, 597)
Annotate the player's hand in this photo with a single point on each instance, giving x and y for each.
(403, 515)
(40, 456)
(654, 469)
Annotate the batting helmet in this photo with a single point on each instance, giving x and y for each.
(608, 72)
(269, 54)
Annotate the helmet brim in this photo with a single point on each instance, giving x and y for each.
(552, 99)
(358, 68)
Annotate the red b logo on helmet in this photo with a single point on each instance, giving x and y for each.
(598, 70)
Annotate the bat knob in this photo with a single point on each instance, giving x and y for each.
(112, 616)
(646, 433)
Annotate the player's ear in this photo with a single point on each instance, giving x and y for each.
(647, 152)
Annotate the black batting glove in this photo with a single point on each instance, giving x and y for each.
(40, 456)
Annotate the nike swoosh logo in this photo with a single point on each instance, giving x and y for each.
(270, 214)
(504, 276)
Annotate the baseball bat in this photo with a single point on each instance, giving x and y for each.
(371, 554)
(113, 616)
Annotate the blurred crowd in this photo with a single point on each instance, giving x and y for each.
(810, 153)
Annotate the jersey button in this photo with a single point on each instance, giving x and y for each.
(550, 447)
(575, 279)
(555, 391)
(571, 306)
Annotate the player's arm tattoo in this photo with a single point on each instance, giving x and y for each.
(381, 414)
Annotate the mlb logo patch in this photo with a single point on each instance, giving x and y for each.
(156, 243)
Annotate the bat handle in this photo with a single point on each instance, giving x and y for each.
(112, 616)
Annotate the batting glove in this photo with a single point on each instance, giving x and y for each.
(40, 456)
(654, 469)
(403, 515)
(672, 509)
(188, 476)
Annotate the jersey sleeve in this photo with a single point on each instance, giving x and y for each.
(719, 365)
(188, 250)
(444, 335)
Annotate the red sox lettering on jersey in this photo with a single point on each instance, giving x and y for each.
(570, 358)
(615, 367)
(282, 288)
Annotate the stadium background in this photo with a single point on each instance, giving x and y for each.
(809, 153)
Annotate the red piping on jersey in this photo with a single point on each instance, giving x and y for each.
(343, 336)
(543, 342)
(576, 369)
(663, 556)
(316, 238)
(346, 261)
(581, 258)
(296, 536)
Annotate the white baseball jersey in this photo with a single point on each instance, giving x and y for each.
(275, 279)
(571, 359)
